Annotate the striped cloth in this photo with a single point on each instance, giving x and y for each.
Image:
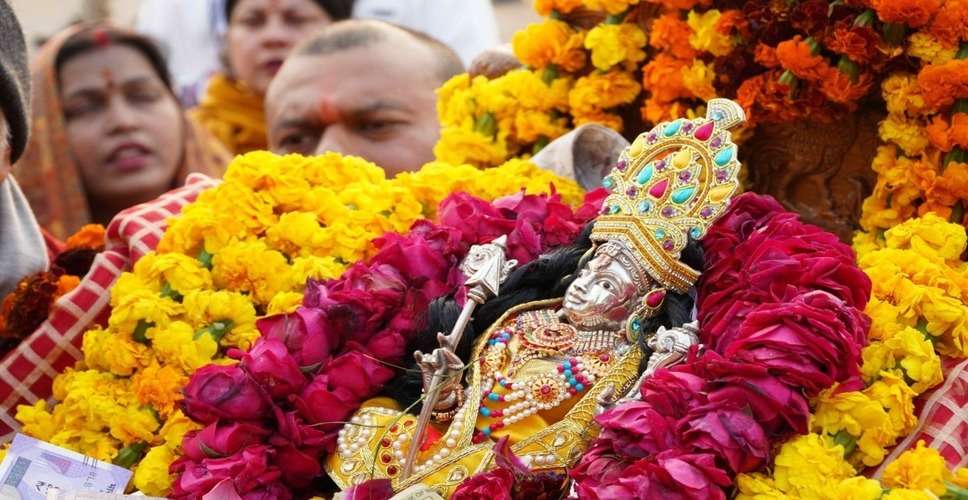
(27, 372)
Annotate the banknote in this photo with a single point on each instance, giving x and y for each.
(35, 470)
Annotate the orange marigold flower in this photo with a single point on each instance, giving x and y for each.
(858, 43)
(766, 55)
(840, 89)
(914, 13)
(611, 6)
(545, 7)
(950, 25)
(942, 84)
(655, 111)
(670, 33)
(945, 136)
(90, 236)
(681, 4)
(797, 56)
(662, 76)
(65, 284)
(550, 42)
(731, 21)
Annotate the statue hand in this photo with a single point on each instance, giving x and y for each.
(446, 365)
(671, 346)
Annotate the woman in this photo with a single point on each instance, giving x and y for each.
(107, 130)
(259, 37)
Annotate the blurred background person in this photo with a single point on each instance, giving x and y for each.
(258, 38)
(108, 132)
(22, 245)
(364, 88)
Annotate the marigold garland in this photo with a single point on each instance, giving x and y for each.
(199, 296)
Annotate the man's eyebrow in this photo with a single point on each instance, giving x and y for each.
(290, 123)
(378, 105)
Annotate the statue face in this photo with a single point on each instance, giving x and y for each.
(601, 295)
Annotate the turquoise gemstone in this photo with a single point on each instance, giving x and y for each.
(645, 175)
(485, 411)
(608, 183)
(683, 194)
(660, 233)
(671, 129)
(725, 156)
(695, 233)
(636, 325)
(614, 209)
(645, 206)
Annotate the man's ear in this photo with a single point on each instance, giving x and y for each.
(586, 154)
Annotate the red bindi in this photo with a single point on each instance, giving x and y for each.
(328, 112)
(108, 76)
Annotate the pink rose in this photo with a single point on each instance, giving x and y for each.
(299, 466)
(374, 489)
(272, 491)
(598, 466)
(592, 205)
(221, 439)
(248, 470)
(303, 334)
(293, 429)
(636, 430)
(731, 434)
(269, 363)
(672, 392)
(476, 219)
(493, 485)
(225, 392)
(672, 474)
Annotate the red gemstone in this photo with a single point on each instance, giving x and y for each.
(545, 389)
(392, 470)
(561, 368)
(478, 437)
(385, 458)
(395, 428)
(604, 357)
(407, 423)
(501, 398)
(655, 298)
(497, 414)
(659, 188)
(385, 442)
(705, 131)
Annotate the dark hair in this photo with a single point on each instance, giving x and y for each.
(359, 33)
(337, 10)
(543, 278)
(99, 36)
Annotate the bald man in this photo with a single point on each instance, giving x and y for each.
(363, 88)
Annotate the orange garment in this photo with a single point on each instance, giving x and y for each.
(233, 113)
(48, 173)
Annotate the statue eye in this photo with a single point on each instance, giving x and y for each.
(606, 285)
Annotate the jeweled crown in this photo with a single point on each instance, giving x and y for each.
(670, 185)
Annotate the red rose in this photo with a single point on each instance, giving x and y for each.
(299, 466)
(730, 434)
(374, 489)
(672, 474)
(248, 470)
(303, 334)
(273, 491)
(636, 430)
(294, 430)
(592, 205)
(597, 467)
(221, 439)
(269, 363)
(492, 485)
(225, 392)
(672, 392)
(476, 219)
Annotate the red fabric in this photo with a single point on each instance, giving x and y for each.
(27, 372)
(54, 246)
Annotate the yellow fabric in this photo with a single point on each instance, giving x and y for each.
(234, 114)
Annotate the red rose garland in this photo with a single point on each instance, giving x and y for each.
(780, 309)
(271, 417)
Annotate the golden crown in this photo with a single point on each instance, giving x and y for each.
(669, 186)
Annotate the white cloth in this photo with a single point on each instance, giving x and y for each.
(467, 26)
(22, 248)
(189, 31)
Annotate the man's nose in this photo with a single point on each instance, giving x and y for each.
(332, 142)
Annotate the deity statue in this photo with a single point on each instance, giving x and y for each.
(567, 334)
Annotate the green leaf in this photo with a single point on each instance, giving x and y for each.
(140, 333)
(168, 292)
(847, 441)
(130, 455)
(486, 124)
(206, 259)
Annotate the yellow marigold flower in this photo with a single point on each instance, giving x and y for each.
(902, 94)
(908, 135)
(612, 44)
(458, 145)
(858, 415)
(948, 317)
(175, 428)
(226, 314)
(177, 345)
(276, 178)
(296, 233)
(864, 243)
(334, 170)
(549, 42)
(960, 478)
(885, 321)
(921, 468)
(930, 236)
(757, 486)
(180, 272)
(908, 350)
(142, 306)
(232, 270)
(544, 8)
(810, 466)
(611, 6)
(128, 283)
(112, 352)
(284, 303)
(317, 268)
(134, 425)
(159, 387)
(435, 181)
(905, 494)
(698, 78)
(36, 421)
(705, 36)
(600, 91)
(151, 476)
(927, 48)
(898, 399)
(856, 488)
